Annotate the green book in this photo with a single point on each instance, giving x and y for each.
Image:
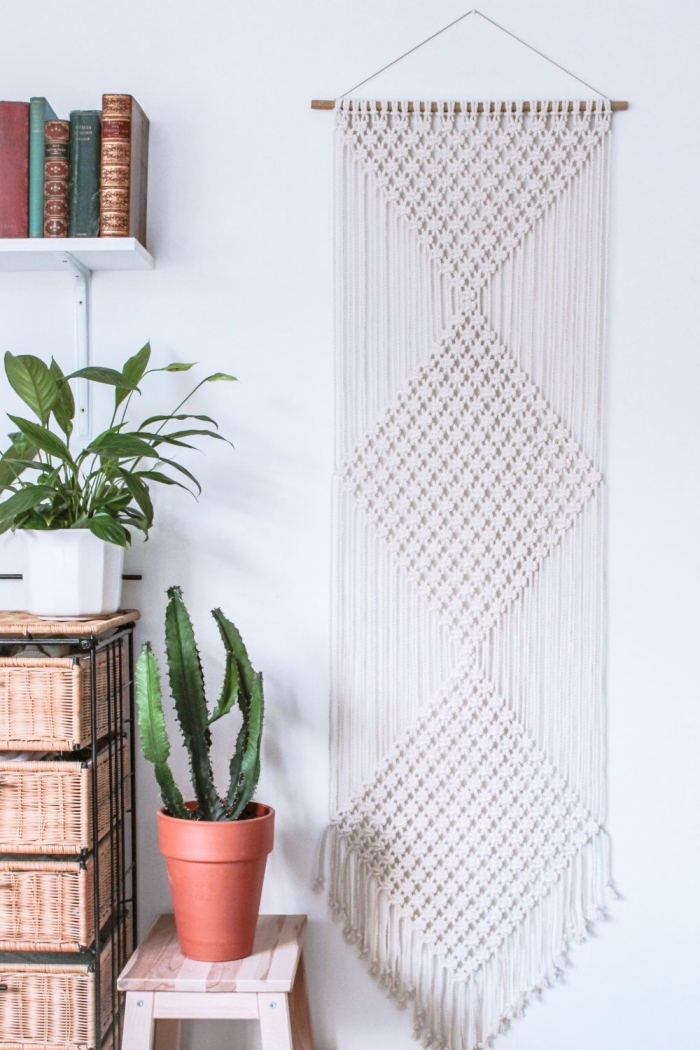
(39, 112)
(84, 186)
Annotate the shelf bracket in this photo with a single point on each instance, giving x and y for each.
(83, 281)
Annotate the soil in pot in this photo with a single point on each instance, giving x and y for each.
(216, 871)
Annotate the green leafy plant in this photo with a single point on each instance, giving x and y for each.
(242, 687)
(105, 487)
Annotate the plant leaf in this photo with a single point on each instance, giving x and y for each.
(26, 464)
(192, 433)
(105, 527)
(182, 470)
(182, 415)
(112, 502)
(124, 446)
(43, 438)
(177, 366)
(26, 499)
(99, 374)
(21, 451)
(135, 368)
(132, 373)
(138, 490)
(30, 378)
(162, 479)
(164, 439)
(64, 405)
(153, 732)
(187, 687)
(220, 377)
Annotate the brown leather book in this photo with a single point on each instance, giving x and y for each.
(14, 169)
(56, 167)
(123, 168)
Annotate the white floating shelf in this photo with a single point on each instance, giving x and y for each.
(93, 253)
(79, 257)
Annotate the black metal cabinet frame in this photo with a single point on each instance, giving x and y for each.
(120, 743)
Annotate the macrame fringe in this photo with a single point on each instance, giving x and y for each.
(467, 1014)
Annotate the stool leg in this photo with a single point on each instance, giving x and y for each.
(275, 1025)
(167, 1034)
(138, 1021)
(302, 1039)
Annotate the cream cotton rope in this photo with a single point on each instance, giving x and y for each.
(468, 751)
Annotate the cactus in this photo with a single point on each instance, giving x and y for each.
(242, 687)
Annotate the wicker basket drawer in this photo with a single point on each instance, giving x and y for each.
(45, 702)
(48, 905)
(46, 805)
(50, 1005)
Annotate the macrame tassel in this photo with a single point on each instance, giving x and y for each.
(467, 850)
(451, 1014)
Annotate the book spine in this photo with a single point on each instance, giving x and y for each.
(39, 112)
(84, 183)
(56, 149)
(115, 167)
(14, 169)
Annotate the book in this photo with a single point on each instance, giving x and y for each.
(14, 169)
(56, 146)
(124, 168)
(39, 112)
(84, 181)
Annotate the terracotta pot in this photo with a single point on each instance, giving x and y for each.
(216, 871)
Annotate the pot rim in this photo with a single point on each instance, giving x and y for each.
(71, 532)
(269, 812)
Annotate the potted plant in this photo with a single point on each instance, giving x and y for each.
(76, 509)
(215, 847)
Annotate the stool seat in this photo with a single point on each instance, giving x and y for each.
(163, 986)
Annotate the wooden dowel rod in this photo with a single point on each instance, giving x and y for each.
(329, 103)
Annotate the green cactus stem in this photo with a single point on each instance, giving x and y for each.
(153, 732)
(242, 688)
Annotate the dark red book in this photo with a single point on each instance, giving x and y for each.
(14, 169)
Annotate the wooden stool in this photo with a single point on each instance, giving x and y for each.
(269, 986)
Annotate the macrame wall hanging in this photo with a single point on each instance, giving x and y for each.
(468, 726)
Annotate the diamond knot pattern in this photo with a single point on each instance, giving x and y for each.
(471, 479)
(468, 847)
(467, 843)
(516, 167)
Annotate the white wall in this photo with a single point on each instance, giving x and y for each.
(240, 224)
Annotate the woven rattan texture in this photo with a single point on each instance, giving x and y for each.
(48, 905)
(45, 703)
(24, 625)
(49, 1006)
(45, 806)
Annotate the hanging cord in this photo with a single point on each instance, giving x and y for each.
(461, 19)
(410, 52)
(541, 55)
